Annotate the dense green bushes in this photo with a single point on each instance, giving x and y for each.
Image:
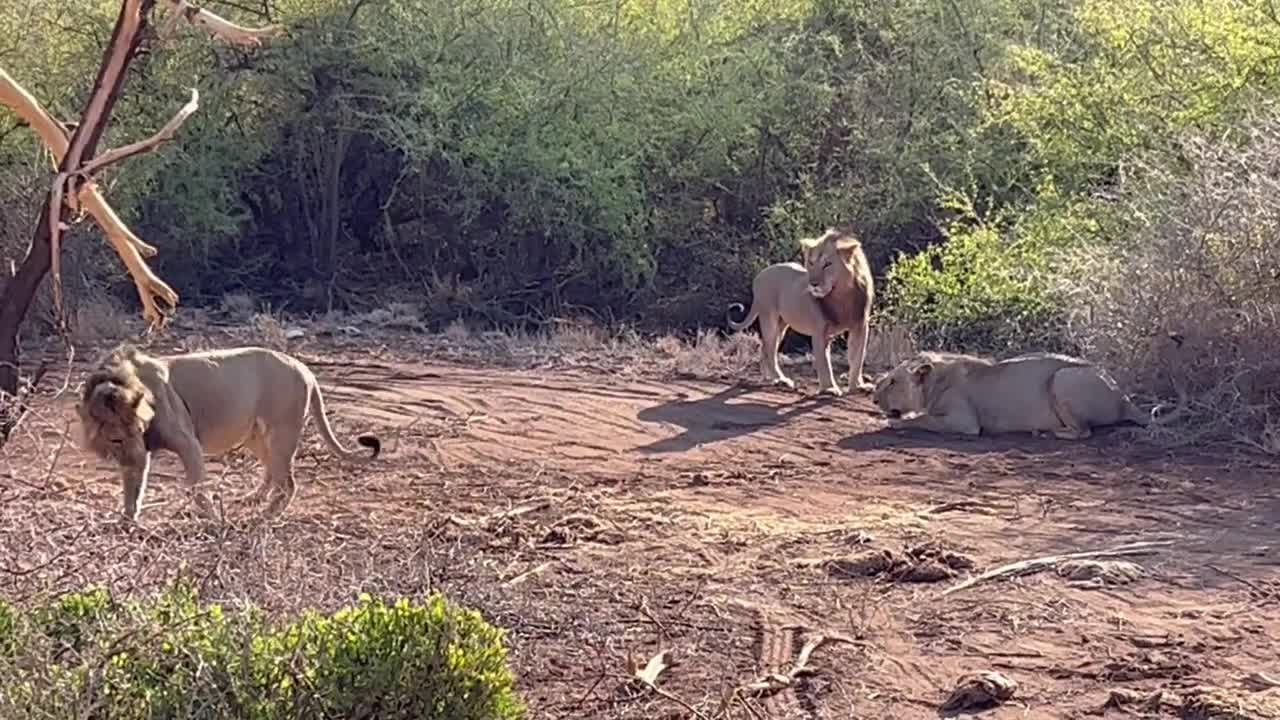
(89, 655)
(499, 161)
(505, 161)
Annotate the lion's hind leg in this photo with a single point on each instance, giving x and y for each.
(257, 444)
(281, 445)
(772, 328)
(1065, 385)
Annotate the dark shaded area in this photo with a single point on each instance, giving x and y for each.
(717, 417)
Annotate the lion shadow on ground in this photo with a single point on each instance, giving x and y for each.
(716, 417)
(886, 438)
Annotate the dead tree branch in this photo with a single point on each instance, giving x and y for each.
(218, 26)
(128, 246)
(149, 286)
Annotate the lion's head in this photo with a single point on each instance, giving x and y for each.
(902, 390)
(831, 260)
(115, 411)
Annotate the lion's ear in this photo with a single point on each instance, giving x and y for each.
(809, 243)
(922, 371)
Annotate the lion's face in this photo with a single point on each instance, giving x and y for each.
(901, 390)
(829, 262)
(113, 420)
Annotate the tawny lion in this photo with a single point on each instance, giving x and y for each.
(830, 294)
(204, 403)
(1035, 393)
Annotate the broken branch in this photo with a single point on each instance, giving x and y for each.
(127, 245)
(1026, 567)
(222, 28)
(774, 682)
(54, 135)
(149, 286)
(654, 668)
(647, 678)
(143, 146)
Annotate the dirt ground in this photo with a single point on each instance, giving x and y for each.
(605, 517)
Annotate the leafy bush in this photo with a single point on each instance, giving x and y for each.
(509, 163)
(990, 286)
(89, 655)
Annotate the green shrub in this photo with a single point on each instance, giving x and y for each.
(90, 655)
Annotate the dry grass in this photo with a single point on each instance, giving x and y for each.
(238, 306)
(1202, 263)
(708, 354)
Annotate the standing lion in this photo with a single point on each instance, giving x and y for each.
(204, 403)
(829, 295)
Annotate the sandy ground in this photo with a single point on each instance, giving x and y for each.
(604, 519)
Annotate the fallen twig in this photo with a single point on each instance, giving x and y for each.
(1034, 565)
(774, 682)
(647, 678)
(654, 668)
(1259, 682)
(527, 574)
(1251, 585)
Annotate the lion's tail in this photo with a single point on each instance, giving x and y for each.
(746, 322)
(322, 420)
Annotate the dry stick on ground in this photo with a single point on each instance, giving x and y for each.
(647, 677)
(778, 681)
(1024, 567)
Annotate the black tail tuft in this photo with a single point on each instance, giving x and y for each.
(371, 441)
(736, 307)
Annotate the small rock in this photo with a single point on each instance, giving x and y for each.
(979, 691)
(1208, 703)
(1110, 572)
(926, 572)
(863, 564)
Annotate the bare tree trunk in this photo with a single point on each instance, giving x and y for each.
(21, 290)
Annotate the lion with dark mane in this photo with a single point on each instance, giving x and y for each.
(829, 295)
(204, 403)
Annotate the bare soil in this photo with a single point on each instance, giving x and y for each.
(604, 517)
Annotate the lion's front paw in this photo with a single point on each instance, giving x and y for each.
(832, 390)
(785, 382)
(128, 521)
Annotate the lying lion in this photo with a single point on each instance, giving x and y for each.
(830, 294)
(204, 403)
(1035, 393)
